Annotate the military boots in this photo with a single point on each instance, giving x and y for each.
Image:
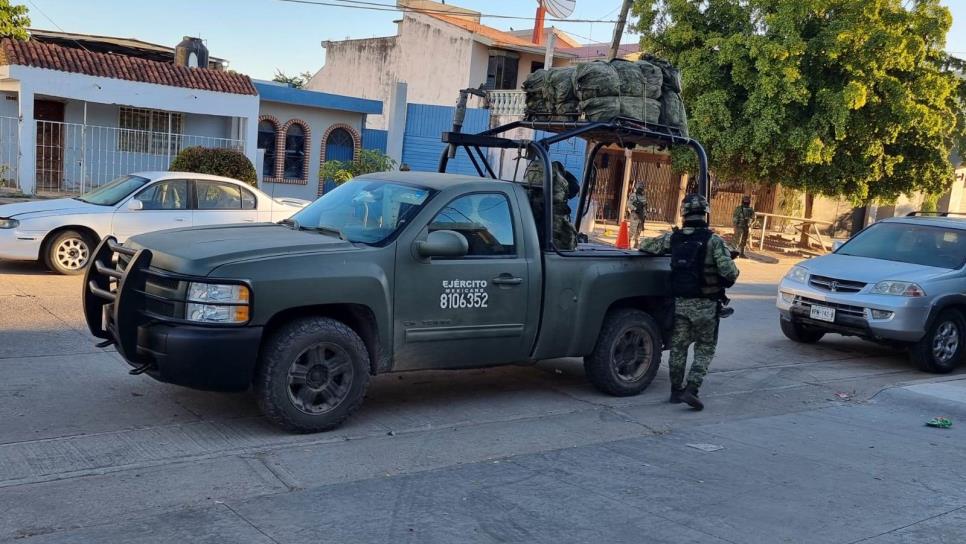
(690, 397)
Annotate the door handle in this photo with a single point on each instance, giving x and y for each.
(179, 219)
(506, 279)
(248, 220)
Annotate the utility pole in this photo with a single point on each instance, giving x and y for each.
(551, 43)
(619, 29)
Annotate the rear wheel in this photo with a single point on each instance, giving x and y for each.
(797, 332)
(627, 355)
(941, 349)
(69, 252)
(312, 375)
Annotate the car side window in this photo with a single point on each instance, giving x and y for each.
(165, 195)
(484, 219)
(217, 195)
(248, 200)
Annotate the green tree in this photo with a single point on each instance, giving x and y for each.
(297, 81)
(839, 97)
(13, 21)
(368, 162)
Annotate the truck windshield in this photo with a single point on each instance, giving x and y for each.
(924, 245)
(365, 211)
(113, 192)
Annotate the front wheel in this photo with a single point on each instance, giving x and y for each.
(941, 349)
(312, 375)
(627, 355)
(800, 333)
(68, 252)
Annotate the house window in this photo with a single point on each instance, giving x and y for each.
(295, 152)
(149, 131)
(339, 146)
(535, 65)
(501, 73)
(267, 134)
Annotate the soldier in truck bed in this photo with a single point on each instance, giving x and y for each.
(701, 269)
(565, 187)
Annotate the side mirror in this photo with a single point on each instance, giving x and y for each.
(836, 244)
(442, 243)
(135, 204)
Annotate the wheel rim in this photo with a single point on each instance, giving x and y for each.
(72, 253)
(945, 343)
(320, 378)
(632, 354)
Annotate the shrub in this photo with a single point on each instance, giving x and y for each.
(216, 161)
(368, 162)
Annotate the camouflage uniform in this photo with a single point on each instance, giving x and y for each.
(564, 233)
(636, 212)
(742, 217)
(695, 319)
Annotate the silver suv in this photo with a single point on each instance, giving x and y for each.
(901, 281)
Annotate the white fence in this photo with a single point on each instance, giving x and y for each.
(74, 158)
(507, 102)
(9, 151)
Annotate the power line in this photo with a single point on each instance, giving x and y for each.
(56, 25)
(375, 6)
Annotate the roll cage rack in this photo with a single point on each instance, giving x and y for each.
(623, 132)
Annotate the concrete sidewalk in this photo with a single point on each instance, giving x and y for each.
(867, 472)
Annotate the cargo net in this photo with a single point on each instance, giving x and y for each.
(648, 90)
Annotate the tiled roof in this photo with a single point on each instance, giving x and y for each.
(601, 50)
(67, 59)
(499, 37)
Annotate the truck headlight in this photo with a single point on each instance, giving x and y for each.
(898, 288)
(797, 273)
(9, 223)
(218, 303)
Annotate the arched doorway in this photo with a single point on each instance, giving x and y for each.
(339, 146)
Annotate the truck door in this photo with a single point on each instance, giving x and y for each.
(464, 311)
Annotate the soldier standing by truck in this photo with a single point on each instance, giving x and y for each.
(701, 269)
(636, 213)
(742, 218)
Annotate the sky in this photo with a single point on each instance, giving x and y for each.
(258, 37)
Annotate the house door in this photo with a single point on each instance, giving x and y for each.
(50, 144)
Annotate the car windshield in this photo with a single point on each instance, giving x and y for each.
(365, 211)
(111, 193)
(941, 247)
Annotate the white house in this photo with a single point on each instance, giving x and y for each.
(74, 116)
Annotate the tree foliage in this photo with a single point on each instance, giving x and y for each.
(217, 162)
(13, 21)
(297, 81)
(840, 97)
(368, 162)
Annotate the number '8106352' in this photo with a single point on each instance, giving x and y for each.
(463, 300)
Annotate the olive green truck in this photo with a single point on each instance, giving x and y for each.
(389, 272)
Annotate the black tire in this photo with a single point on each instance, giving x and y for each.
(941, 349)
(313, 373)
(615, 370)
(800, 333)
(69, 252)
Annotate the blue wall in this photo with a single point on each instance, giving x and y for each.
(374, 139)
(425, 125)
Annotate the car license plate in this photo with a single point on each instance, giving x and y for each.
(822, 313)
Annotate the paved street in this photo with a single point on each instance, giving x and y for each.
(822, 443)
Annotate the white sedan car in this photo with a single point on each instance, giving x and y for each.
(62, 233)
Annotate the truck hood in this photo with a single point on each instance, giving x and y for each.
(197, 251)
(58, 206)
(867, 270)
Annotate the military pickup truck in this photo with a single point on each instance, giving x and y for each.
(389, 272)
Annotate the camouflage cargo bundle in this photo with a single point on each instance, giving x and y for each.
(647, 89)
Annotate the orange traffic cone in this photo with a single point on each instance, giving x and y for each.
(623, 237)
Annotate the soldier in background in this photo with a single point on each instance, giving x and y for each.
(701, 270)
(742, 217)
(636, 213)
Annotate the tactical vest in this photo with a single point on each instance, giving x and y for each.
(690, 277)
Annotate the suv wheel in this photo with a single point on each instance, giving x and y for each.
(627, 355)
(799, 333)
(941, 349)
(312, 375)
(68, 253)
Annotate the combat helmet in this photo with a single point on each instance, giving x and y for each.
(695, 204)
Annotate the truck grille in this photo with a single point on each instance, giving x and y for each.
(834, 285)
(843, 309)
